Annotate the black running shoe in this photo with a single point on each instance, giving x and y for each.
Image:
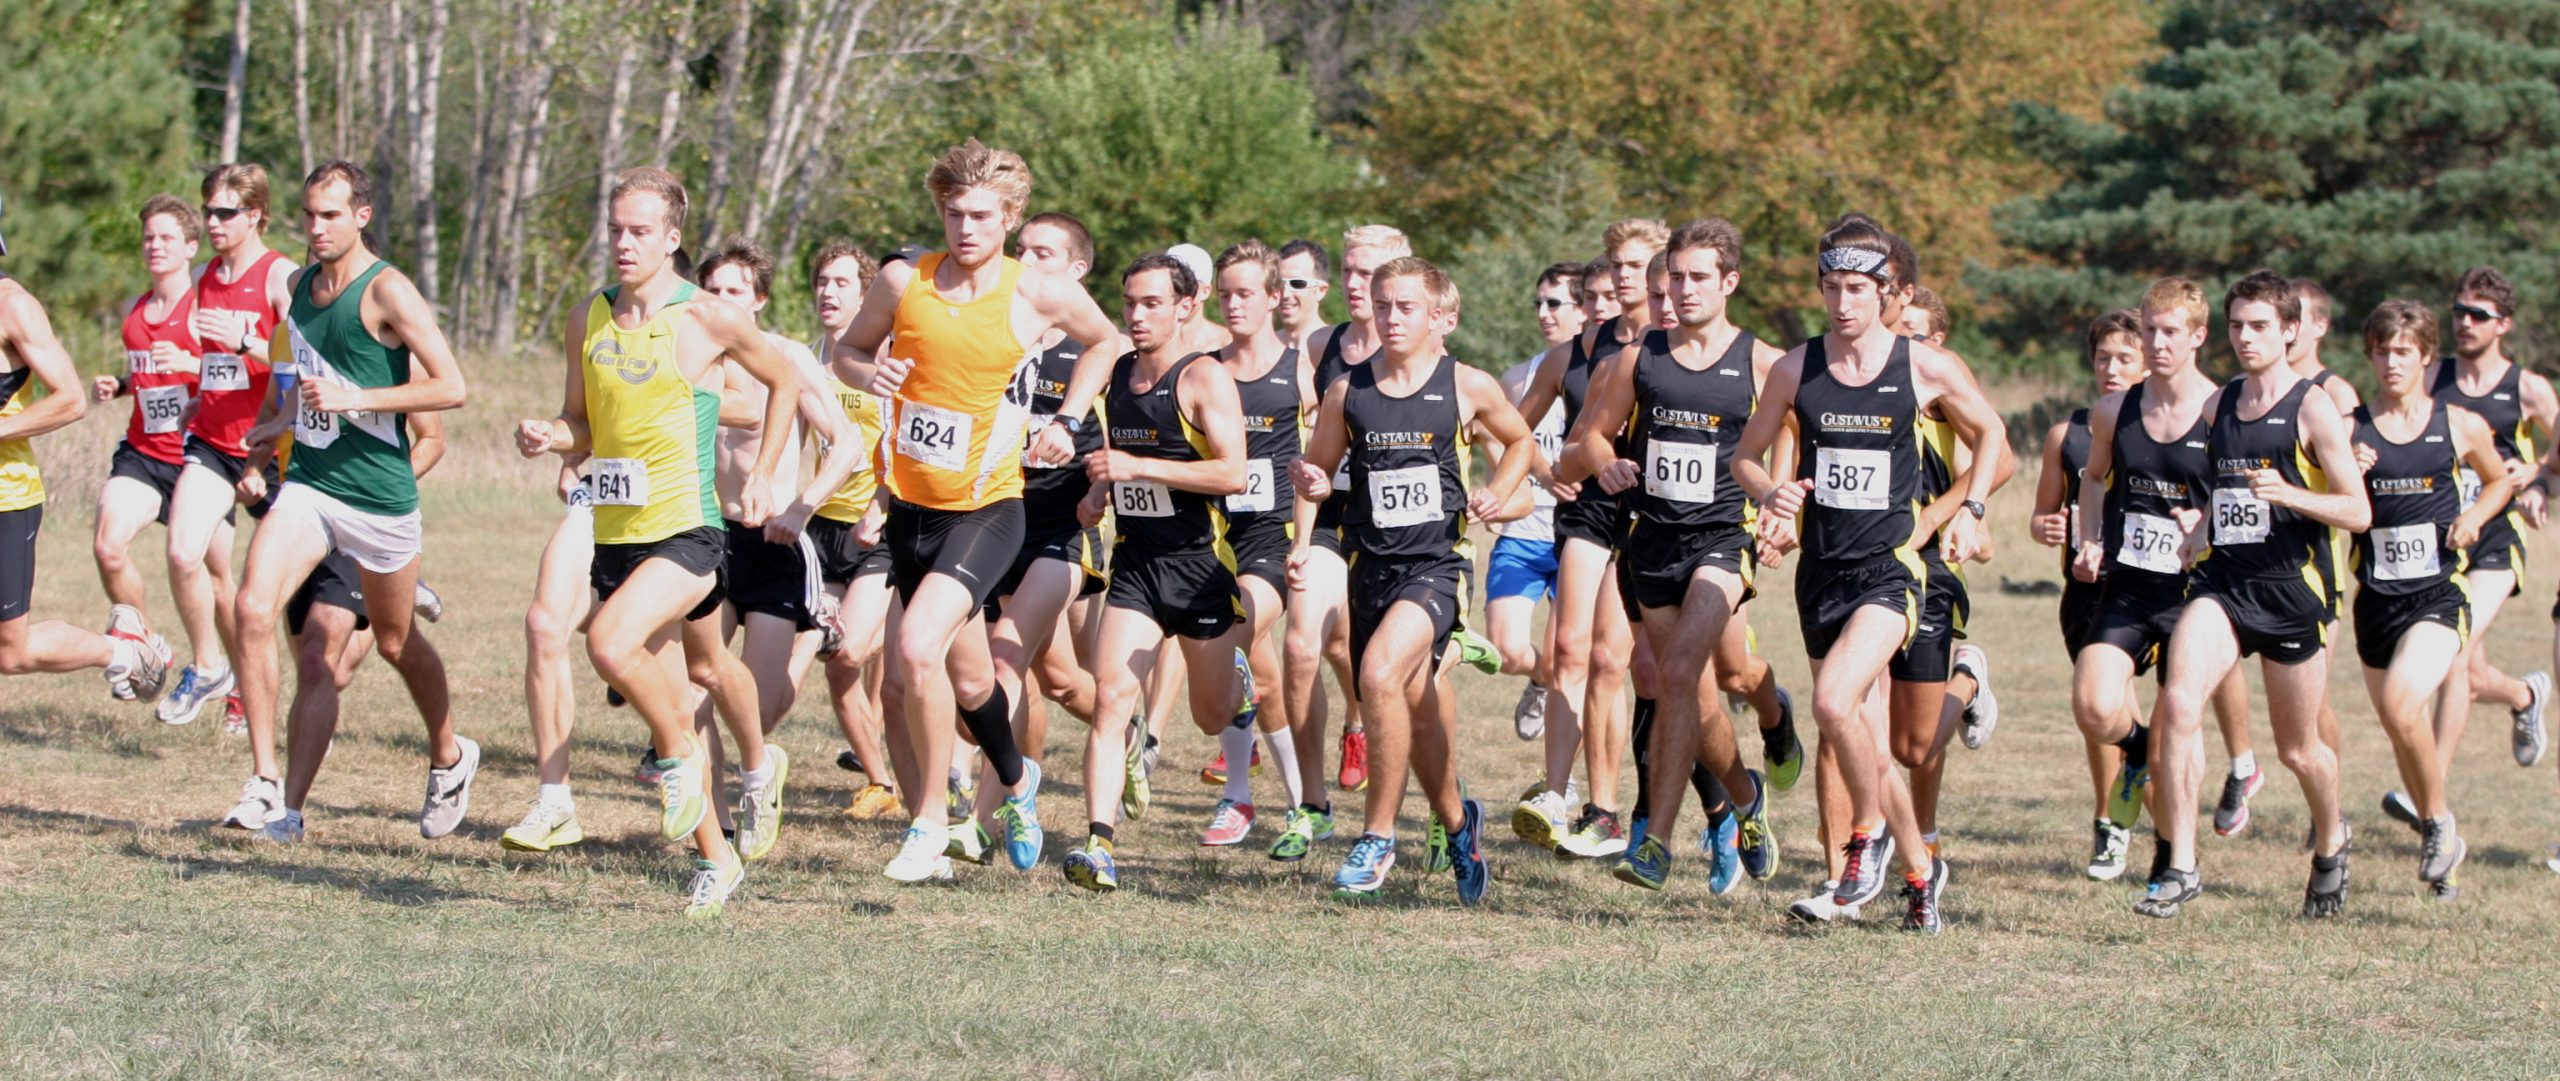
(1862, 875)
(849, 762)
(2326, 895)
(613, 699)
(1920, 904)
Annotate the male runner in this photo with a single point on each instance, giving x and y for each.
(162, 358)
(2278, 477)
(1320, 614)
(30, 355)
(240, 298)
(1521, 571)
(1305, 277)
(959, 326)
(1400, 422)
(2480, 377)
(1201, 334)
(1176, 446)
(1856, 394)
(642, 401)
(365, 352)
(1681, 396)
(852, 566)
(2411, 612)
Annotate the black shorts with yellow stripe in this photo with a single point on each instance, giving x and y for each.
(1930, 655)
(1656, 563)
(1829, 591)
(2382, 619)
(1080, 547)
(1261, 545)
(2284, 619)
(2500, 548)
(1436, 585)
(1191, 594)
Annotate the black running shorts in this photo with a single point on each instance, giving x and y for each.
(18, 560)
(1656, 563)
(161, 476)
(337, 583)
(971, 547)
(1261, 544)
(2382, 618)
(2079, 614)
(1930, 655)
(1076, 546)
(700, 551)
(2137, 613)
(1189, 594)
(1828, 592)
(1595, 516)
(1436, 584)
(2283, 619)
(778, 580)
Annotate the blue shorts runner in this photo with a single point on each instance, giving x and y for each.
(1521, 568)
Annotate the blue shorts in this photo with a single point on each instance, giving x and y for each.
(1521, 568)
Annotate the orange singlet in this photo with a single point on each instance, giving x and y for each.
(953, 434)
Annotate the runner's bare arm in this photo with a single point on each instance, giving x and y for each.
(854, 354)
(1590, 447)
(1312, 474)
(2478, 448)
(1486, 406)
(1768, 419)
(1065, 304)
(1960, 400)
(2344, 505)
(566, 434)
(279, 300)
(397, 315)
(730, 328)
(426, 442)
(839, 454)
(1547, 382)
(2542, 407)
(25, 331)
(1207, 394)
(2050, 523)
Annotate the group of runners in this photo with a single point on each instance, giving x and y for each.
(917, 500)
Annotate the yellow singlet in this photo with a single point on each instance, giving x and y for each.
(863, 410)
(954, 435)
(21, 483)
(654, 433)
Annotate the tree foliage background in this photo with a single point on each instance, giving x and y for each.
(2056, 152)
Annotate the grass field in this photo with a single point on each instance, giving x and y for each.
(146, 943)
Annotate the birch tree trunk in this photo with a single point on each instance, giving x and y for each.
(786, 103)
(724, 129)
(302, 81)
(671, 104)
(609, 151)
(424, 112)
(235, 84)
(533, 108)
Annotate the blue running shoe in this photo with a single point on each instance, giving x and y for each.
(1648, 864)
(1467, 858)
(1020, 817)
(1093, 868)
(1755, 842)
(1724, 866)
(1364, 871)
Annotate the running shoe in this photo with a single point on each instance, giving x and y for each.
(681, 796)
(261, 802)
(960, 796)
(1822, 905)
(2445, 890)
(1092, 866)
(1756, 841)
(1299, 832)
(1229, 824)
(1019, 814)
(1920, 903)
(1354, 776)
(1364, 871)
(2126, 796)
(449, 792)
(2326, 894)
(286, 829)
(1540, 819)
(2107, 850)
(2529, 738)
(613, 698)
(713, 884)
(2397, 807)
(1466, 854)
(2440, 849)
(850, 762)
(1435, 847)
(1862, 876)
(920, 855)
(1476, 652)
(1724, 860)
(235, 720)
(1648, 864)
(760, 809)
(427, 604)
(546, 826)
(2553, 864)
(873, 802)
(1598, 836)
(1529, 715)
(2231, 815)
(1215, 773)
(124, 624)
(187, 699)
(1780, 750)
(648, 771)
(969, 842)
(2168, 892)
(1135, 794)
(1981, 715)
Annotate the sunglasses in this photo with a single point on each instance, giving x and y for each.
(224, 213)
(1301, 283)
(2475, 314)
(1550, 304)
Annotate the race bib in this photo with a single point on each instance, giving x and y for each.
(1845, 479)
(163, 409)
(2467, 481)
(1404, 497)
(1142, 499)
(2404, 552)
(618, 482)
(138, 362)
(1259, 492)
(1680, 472)
(225, 371)
(2150, 544)
(2239, 518)
(935, 436)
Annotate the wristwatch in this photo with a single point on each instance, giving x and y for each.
(1075, 425)
(1975, 505)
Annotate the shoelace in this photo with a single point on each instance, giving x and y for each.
(2430, 841)
(705, 883)
(671, 783)
(1854, 854)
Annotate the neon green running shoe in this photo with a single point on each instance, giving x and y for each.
(713, 883)
(1435, 848)
(1477, 652)
(1299, 832)
(681, 798)
(1135, 794)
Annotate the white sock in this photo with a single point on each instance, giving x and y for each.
(2244, 765)
(1284, 753)
(1929, 838)
(1238, 745)
(556, 795)
(759, 777)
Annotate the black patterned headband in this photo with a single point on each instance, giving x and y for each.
(1855, 261)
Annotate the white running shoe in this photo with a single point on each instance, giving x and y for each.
(1983, 714)
(261, 802)
(449, 792)
(1819, 907)
(759, 809)
(1529, 716)
(286, 829)
(427, 604)
(546, 826)
(921, 855)
(2530, 740)
(713, 883)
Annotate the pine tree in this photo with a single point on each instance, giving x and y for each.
(2377, 147)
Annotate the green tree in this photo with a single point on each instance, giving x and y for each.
(93, 116)
(2377, 146)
